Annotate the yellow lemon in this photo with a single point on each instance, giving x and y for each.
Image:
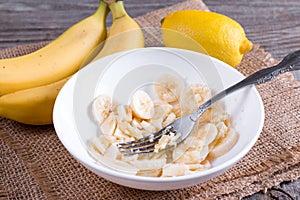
(207, 32)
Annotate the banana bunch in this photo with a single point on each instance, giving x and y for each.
(124, 34)
(29, 84)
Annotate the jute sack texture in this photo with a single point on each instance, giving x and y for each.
(35, 165)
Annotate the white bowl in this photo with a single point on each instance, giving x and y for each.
(120, 75)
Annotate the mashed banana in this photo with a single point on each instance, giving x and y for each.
(212, 137)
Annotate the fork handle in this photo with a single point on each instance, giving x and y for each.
(289, 63)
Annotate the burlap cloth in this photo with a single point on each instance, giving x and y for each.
(35, 165)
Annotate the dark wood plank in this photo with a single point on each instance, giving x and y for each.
(274, 24)
(34, 21)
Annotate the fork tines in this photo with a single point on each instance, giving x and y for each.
(143, 145)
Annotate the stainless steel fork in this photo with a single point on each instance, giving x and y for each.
(185, 124)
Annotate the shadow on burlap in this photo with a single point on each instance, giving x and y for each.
(35, 165)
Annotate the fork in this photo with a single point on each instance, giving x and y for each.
(184, 125)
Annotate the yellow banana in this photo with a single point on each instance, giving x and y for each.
(31, 106)
(124, 33)
(59, 59)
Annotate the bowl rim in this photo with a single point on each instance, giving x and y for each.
(111, 172)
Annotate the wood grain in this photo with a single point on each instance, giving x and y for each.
(274, 24)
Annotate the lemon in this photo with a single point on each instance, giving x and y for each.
(207, 32)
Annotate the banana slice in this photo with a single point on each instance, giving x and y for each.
(177, 110)
(222, 132)
(168, 88)
(166, 140)
(201, 93)
(187, 101)
(145, 124)
(120, 136)
(222, 129)
(117, 165)
(225, 144)
(167, 108)
(191, 157)
(157, 123)
(142, 105)
(218, 113)
(198, 167)
(130, 130)
(171, 118)
(128, 159)
(112, 152)
(135, 123)
(148, 128)
(149, 164)
(149, 173)
(179, 151)
(202, 135)
(99, 144)
(176, 169)
(101, 108)
(161, 110)
(207, 133)
(109, 125)
(124, 113)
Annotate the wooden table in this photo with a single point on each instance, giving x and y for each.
(275, 25)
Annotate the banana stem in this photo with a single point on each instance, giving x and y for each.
(110, 1)
(102, 9)
(117, 10)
